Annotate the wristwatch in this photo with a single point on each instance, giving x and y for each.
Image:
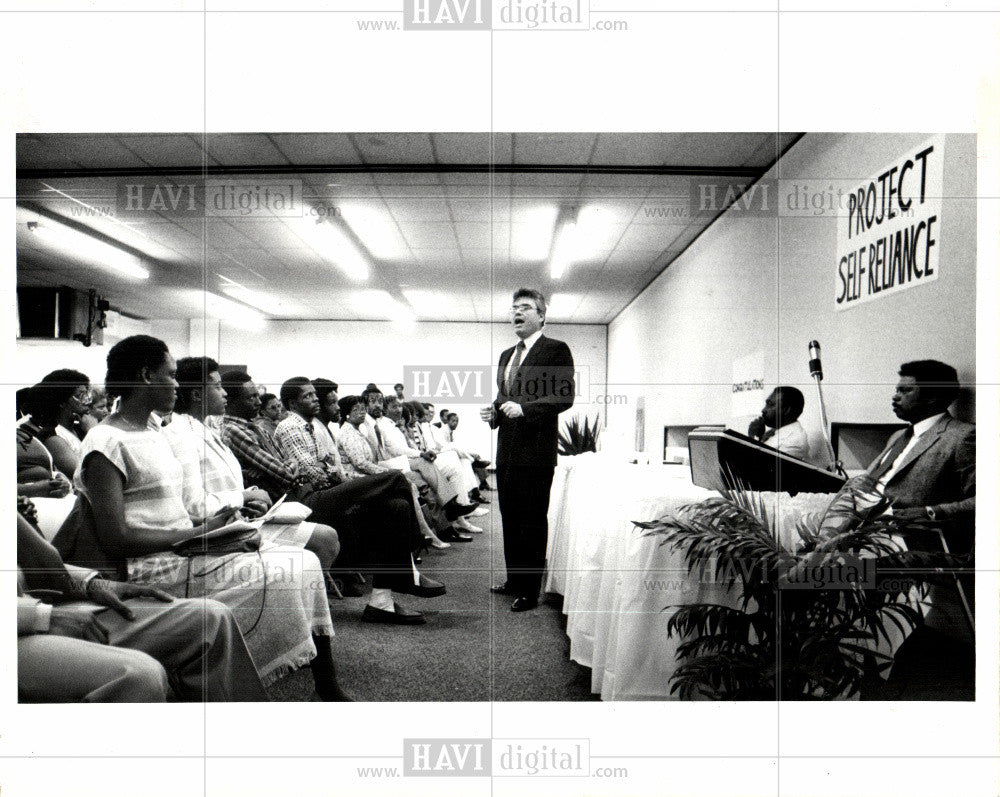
(931, 514)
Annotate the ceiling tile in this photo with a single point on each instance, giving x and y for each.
(394, 148)
(326, 149)
(244, 149)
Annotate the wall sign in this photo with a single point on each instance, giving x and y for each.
(890, 234)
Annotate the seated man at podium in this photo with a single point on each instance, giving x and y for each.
(778, 426)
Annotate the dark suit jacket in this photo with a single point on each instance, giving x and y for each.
(940, 472)
(544, 387)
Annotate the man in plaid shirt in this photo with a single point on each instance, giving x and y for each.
(373, 516)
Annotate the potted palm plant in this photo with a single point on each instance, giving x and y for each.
(577, 438)
(805, 624)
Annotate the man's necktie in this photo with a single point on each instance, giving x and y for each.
(381, 443)
(514, 365)
(890, 457)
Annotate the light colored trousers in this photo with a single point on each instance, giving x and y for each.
(196, 641)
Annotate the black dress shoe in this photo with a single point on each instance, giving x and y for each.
(450, 535)
(503, 589)
(427, 588)
(400, 616)
(454, 510)
(523, 604)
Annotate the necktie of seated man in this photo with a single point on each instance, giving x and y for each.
(514, 365)
(891, 455)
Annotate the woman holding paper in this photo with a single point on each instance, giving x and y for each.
(134, 485)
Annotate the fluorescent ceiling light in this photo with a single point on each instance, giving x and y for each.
(376, 230)
(100, 215)
(532, 233)
(256, 299)
(232, 313)
(332, 244)
(564, 249)
(77, 243)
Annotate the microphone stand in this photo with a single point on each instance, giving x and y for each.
(816, 372)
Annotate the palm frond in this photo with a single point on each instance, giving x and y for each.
(579, 440)
(783, 638)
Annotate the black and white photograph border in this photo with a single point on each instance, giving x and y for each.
(690, 274)
(390, 258)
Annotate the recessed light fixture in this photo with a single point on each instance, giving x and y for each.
(377, 231)
(74, 242)
(563, 248)
(532, 232)
(261, 301)
(332, 244)
(232, 313)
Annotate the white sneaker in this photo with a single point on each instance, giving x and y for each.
(465, 525)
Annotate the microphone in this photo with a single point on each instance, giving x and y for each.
(815, 366)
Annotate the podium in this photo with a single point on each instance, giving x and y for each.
(722, 459)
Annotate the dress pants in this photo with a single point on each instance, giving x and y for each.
(435, 479)
(375, 519)
(523, 495)
(196, 642)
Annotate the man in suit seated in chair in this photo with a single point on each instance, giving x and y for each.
(928, 471)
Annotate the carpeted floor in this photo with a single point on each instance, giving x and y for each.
(472, 648)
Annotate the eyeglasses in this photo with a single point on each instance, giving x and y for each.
(522, 308)
(84, 396)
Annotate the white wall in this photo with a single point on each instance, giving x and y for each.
(766, 285)
(354, 353)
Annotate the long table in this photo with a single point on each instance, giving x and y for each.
(616, 581)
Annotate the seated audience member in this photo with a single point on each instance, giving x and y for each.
(397, 443)
(49, 491)
(398, 390)
(134, 485)
(361, 454)
(112, 642)
(778, 424)
(271, 414)
(56, 405)
(213, 480)
(372, 516)
(36, 472)
(928, 472)
(98, 410)
(328, 419)
(475, 462)
(439, 441)
(299, 397)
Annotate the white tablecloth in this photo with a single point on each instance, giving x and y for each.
(616, 581)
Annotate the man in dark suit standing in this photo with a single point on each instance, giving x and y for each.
(535, 383)
(928, 471)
